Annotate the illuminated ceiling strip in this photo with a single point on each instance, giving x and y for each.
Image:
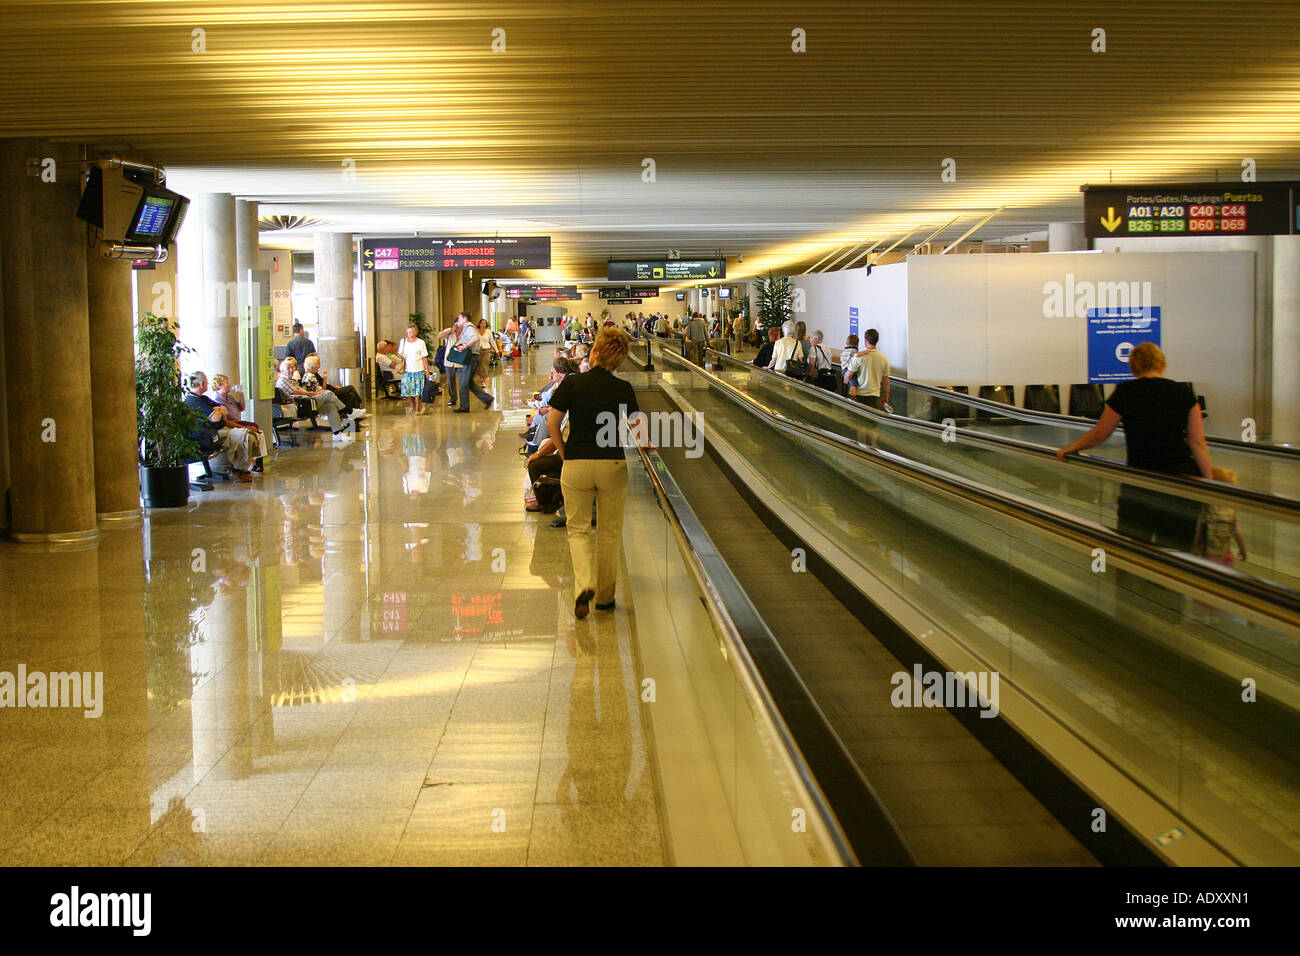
(901, 240)
(822, 259)
(965, 235)
(849, 265)
(935, 233)
(848, 251)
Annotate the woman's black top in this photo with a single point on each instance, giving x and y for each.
(595, 401)
(1154, 411)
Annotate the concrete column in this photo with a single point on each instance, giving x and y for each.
(43, 265)
(246, 247)
(1066, 237)
(336, 338)
(187, 285)
(1286, 335)
(452, 298)
(156, 288)
(427, 298)
(471, 295)
(395, 292)
(219, 342)
(112, 383)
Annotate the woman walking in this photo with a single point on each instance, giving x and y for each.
(594, 469)
(1163, 432)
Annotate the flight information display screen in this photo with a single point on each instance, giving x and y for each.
(151, 219)
(1195, 209)
(669, 270)
(544, 293)
(422, 253)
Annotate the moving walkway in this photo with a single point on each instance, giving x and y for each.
(1141, 692)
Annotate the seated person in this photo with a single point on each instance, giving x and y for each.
(322, 400)
(215, 435)
(764, 357)
(313, 379)
(223, 394)
(546, 461)
(538, 430)
(387, 361)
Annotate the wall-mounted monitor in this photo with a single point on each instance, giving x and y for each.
(158, 217)
(681, 296)
(724, 293)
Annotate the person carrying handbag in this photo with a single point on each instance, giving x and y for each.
(464, 353)
(820, 372)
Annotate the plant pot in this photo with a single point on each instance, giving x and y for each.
(165, 487)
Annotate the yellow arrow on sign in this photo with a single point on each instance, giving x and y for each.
(713, 272)
(369, 253)
(1110, 220)
(368, 265)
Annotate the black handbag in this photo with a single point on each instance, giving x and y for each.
(797, 368)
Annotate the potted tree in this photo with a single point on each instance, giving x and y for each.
(164, 421)
(773, 302)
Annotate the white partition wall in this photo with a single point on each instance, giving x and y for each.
(1018, 319)
(880, 298)
(1022, 319)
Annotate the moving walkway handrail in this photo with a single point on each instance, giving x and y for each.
(863, 832)
(1261, 598)
(1213, 491)
(1074, 421)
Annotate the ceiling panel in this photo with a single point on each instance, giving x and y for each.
(757, 149)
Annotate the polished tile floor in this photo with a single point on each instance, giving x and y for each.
(367, 657)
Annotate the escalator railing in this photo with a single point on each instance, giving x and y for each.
(1177, 732)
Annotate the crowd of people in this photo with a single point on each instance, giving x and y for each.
(794, 351)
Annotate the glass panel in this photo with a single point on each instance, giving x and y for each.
(1149, 677)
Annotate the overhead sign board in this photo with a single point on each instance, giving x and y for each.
(668, 270)
(544, 293)
(623, 301)
(424, 253)
(1113, 334)
(1190, 209)
(629, 292)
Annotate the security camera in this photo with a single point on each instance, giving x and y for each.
(740, 258)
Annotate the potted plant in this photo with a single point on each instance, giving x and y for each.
(165, 423)
(773, 302)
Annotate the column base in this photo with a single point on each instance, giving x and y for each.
(118, 516)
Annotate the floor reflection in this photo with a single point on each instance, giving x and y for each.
(366, 657)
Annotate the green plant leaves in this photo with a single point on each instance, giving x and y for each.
(163, 420)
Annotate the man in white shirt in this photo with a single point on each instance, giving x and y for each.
(464, 336)
(785, 348)
(868, 374)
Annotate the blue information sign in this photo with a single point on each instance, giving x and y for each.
(1113, 334)
(853, 320)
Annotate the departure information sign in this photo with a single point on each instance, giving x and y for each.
(629, 292)
(1190, 209)
(624, 301)
(670, 270)
(423, 253)
(544, 293)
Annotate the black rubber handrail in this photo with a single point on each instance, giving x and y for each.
(1225, 494)
(1074, 421)
(1263, 598)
